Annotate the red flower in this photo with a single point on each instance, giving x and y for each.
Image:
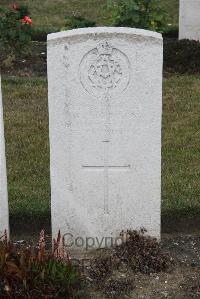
(27, 20)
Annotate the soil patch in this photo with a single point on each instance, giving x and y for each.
(180, 57)
(181, 281)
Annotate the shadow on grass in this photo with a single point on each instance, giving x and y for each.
(28, 226)
(177, 221)
(181, 221)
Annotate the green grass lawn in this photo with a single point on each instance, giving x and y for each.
(50, 14)
(26, 127)
(27, 146)
(181, 151)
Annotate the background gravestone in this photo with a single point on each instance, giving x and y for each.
(4, 216)
(189, 20)
(105, 103)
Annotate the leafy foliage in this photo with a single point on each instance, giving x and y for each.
(29, 273)
(137, 252)
(142, 253)
(15, 28)
(75, 22)
(145, 14)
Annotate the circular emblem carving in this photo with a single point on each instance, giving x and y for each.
(104, 70)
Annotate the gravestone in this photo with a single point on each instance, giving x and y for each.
(189, 20)
(105, 103)
(4, 216)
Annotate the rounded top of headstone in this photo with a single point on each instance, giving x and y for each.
(103, 30)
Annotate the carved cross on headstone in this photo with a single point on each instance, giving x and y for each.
(108, 72)
(106, 167)
(107, 144)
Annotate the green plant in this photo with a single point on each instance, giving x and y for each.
(78, 22)
(146, 14)
(28, 272)
(15, 28)
(137, 252)
(143, 253)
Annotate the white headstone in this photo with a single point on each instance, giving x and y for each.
(105, 104)
(4, 216)
(189, 20)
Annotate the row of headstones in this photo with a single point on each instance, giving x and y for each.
(105, 106)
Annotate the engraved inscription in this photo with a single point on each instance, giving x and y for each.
(104, 73)
(66, 56)
(104, 70)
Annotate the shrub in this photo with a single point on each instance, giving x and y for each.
(138, 253)
(78, 22)
(15, 28)
(146, 14)
(143, 254)
(28, 272)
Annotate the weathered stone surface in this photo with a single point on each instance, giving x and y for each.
(105, 103)
(189, 20)
(4, 216)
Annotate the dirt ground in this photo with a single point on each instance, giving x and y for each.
(182, 280)
(33, 60)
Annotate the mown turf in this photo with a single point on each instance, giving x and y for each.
(26, 127)
(27, 146)
(181, 152)
(50, 15)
